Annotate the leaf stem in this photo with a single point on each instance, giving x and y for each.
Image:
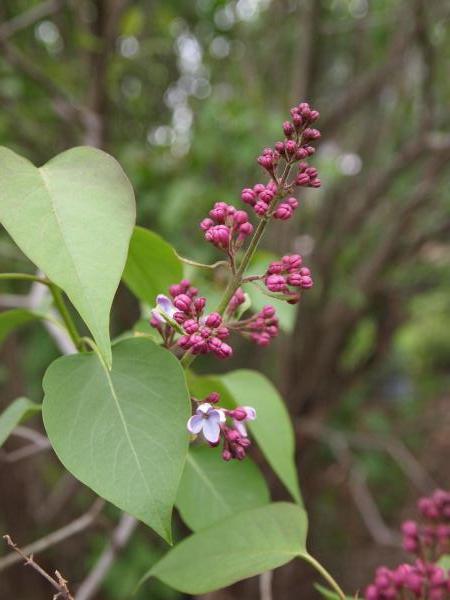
(325, 574)
(58, 299)
(194, 263)
(25, 277)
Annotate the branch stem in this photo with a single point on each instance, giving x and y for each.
(326, 575)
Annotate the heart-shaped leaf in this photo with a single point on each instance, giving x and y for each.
(73, 218)
(246, 544)
(122, 432)
(18, 411)
(152, 265)
(212, 489)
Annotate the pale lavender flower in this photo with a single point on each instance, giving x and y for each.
(207, 420)
(239, 424)
(163, 305)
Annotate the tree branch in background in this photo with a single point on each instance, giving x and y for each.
(119, 539)
(29, 17)
(58, 536)
(58, 582)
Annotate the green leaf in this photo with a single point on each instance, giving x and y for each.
(11, 319)
(246, 544)
(17, 412)
(152, 265)
(272, 428)
(73, 218)
(212, 489)
(122, 432)
(444, 562)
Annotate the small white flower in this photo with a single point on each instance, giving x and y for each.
(207, 420)
(239, 425)
(163, 306)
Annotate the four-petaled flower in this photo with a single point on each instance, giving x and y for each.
(163, 306)
(207, 420)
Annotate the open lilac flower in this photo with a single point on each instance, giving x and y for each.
(207, 420)
(238, 423)
(163, 305)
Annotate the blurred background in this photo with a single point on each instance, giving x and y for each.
(185, 94)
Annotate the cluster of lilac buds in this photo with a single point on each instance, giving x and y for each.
(200, 333)
(216, 424)
(429, 541)
(227, 227)
(260, 328)
(296, 147)
(288, 273)
(420, 580)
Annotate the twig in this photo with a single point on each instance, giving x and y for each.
(265, 585)
(58, 582)
(29, 17)
(54, 538)
(119, 539)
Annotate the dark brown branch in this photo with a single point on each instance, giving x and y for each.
(58, 582)
(58, 536)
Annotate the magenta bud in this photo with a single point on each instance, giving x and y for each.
(302, 179)
(295, 279)
(283, 212)
(182, 302)
(268, 311)
(305, 272)
(315, 183)
(190, 326)
(275, 268)
(213, 320)
(206, 224)
(261, 208)
(307, 283)
(248, 196)
(314, 115)
(238, 413)
(279, 147)
(293, 203)
(258, 188)
(199, 304)
(226, 455)
(240, 217)
(291, 147)
(246, 229)
(213, 398)
(297, 120)
(275, 283)
(288, 129)
(222, 333)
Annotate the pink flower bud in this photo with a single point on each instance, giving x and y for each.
(307, 283)
(238, 413)
(266, 196)
(213, 398)
(246, 229)
(283, 212)
(311, 134)
(279, 147)
(301, 154)
(288, 129)
(305, 272)
(248, 196)
(190, 326)
(261, 208)
(199, 304)
(292, 261)
(206, 224)
(297, 120)
(226, 455)
(274, 268)
(258, 188)
(222, 332)
(268, 311)
(213, 320)
(293, 203)
(295, 279)
(219, 235)
(314, 115)
(315, 183)
(240, 217)
(291, 147)
(275, 283)
(302, 179)
(182, 302)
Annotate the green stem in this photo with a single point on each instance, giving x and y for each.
(328, 578)
(194, 263)
(65, 315)
(25, 277)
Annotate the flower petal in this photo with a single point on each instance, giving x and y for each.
(157, 316)
(165, 304)
(204, 408)
(240, 428)
(211, 430)
(195, 424)
(251, 413)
